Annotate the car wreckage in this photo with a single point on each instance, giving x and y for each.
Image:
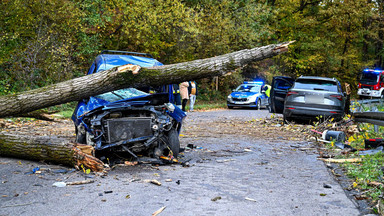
(135, 121)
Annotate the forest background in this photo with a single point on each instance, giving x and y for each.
(48, 41)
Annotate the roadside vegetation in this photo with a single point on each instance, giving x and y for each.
(366, 174)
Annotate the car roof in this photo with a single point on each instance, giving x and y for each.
(108, 61)
(317, 77)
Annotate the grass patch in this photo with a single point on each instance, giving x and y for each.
(207, 105)
(368, 174)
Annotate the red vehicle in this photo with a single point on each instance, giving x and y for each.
(371, 84)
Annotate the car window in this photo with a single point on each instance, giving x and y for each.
(121, 94)
(281, 84)
(248, 88)
(316, 84)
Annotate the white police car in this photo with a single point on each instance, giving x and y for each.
(248, 94)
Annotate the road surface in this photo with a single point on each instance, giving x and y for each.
(238, 168)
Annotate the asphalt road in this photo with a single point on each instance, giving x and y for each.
(228, 174)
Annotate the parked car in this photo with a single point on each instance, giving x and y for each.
(248, 94)
(129, 120)
(312, 96)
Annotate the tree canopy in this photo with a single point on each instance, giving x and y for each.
(48, 41)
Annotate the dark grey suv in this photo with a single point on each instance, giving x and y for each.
(312, 96)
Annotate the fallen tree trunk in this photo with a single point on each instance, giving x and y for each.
(121, 77)
(49, 149)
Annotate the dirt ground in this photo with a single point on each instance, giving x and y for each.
(244, 163)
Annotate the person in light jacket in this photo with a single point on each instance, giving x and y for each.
(184, 94)
(192, 89)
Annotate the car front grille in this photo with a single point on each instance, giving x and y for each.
(127, 128)
(239, 99)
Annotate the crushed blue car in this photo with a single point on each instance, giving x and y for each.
(135, 121)
(249, 94)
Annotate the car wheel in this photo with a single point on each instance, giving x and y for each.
(258, 104)
(173, 142)
(269, 108)
(286, 119)
(230, 107)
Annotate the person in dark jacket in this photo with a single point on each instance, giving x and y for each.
(176, 95)
(192, 90)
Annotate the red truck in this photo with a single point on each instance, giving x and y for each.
(371, 84)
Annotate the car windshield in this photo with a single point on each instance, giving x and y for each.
(248, 88)
(121, 94)
(316, 84)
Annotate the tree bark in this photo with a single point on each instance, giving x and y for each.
(123, 77)
(50, 149)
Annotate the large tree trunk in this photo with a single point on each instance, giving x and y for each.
(50, 149)
(121, 77)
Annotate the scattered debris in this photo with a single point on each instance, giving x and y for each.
(327, 185)
(223, 161)
(128, 196)
(338, 136)
(130, 163)
(250, 199)
(158, 211)
(372, 151)
(323, 194)
(373, 143)
(155, 182)
(17, 205)
(108, 192)
(333, 160)
(169, 159)
(216, 198)
(81, 182)
(178, 182)
(247, 150)
(168, 180)
(375, 184)
(59, 184)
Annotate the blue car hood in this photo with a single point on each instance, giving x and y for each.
(243, 94)
(97, 103)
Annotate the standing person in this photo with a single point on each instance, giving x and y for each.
(192, 89)
(184, 94)
(267, 89)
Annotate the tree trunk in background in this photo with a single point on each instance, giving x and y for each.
(123, 77)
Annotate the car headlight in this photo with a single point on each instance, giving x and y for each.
(229, 96)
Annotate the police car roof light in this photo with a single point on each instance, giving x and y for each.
(254, 82)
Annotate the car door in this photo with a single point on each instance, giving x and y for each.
(280, 87)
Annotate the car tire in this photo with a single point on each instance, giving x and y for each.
(173, 142)
(269, 108)
(258, 104)
(286, 119)
(230, 107)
